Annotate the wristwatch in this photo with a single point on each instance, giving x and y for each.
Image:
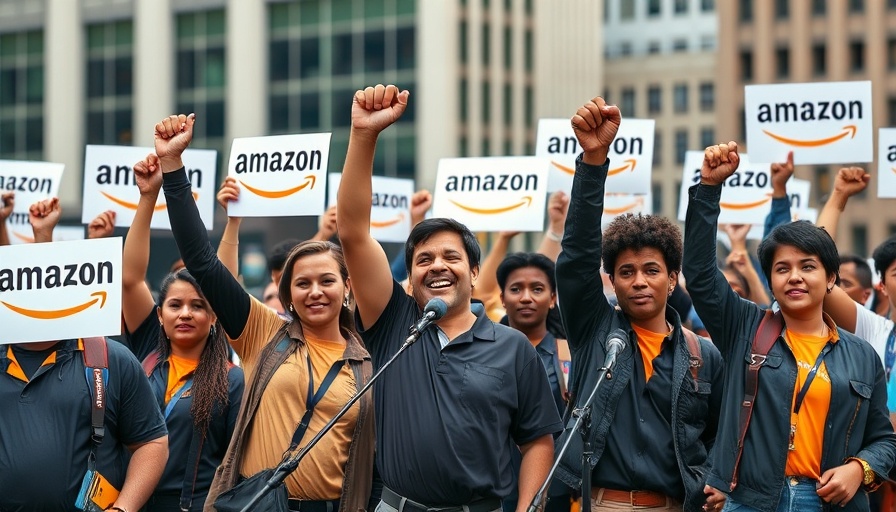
(868, 475)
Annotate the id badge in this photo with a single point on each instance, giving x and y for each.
(96, 493)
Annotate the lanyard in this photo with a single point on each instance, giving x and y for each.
(805, 389)
(180, 392)
(313, 398)
(890, 355)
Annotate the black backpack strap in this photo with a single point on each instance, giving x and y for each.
(96, 368)
(695, 354)
(766, 335)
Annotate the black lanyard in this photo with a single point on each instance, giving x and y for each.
(810, 377)
(313, 398)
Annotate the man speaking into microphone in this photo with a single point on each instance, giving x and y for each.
(654, 422)
(452, 409)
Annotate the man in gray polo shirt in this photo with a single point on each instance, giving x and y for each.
(452, 409)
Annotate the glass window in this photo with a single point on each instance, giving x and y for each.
(108, 115)
(626, 10)
(681, 145)
(654, 7)
(462, 41)
(680, 97)
(857, 6)
(657, 148)
(819, 7)
(821, 183)
(746, 65)
(201, 65)
(746, 10)
(342, 54)
(891, 111)
(860, 239)
(857, 56)
(707, 5)
(681, 6)
(278, 113)
(654, 99)
(508, 104)
(508, 48)
(627, 105)
(375, 51)
(309, 57)
(656, 197)
(653, 47)
(462, 100)
(707, 136)
(343, 10)
(486, 43)
(486, 102)
(680, 45)
(528, 49)
(782, 62)
(891, 53)
(782, 9)
(405, 39)
(707, 96)
(309, 110)
(819, 59)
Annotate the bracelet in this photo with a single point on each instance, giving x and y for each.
(553, 236)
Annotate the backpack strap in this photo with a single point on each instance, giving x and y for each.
(96, 368)
(149, 364)
(695, 355)
(766, 335)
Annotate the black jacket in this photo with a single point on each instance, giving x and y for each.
(858, 423)
(589, 318)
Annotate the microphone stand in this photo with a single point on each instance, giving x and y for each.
(583, 425)
(290, 464)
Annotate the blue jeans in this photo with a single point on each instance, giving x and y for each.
(798, 495)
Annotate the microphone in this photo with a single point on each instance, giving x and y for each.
(434, 310)
(615, 344)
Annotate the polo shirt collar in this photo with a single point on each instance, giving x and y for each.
(483, 329)
(548, 344)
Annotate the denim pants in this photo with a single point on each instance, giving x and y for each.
(798, 495)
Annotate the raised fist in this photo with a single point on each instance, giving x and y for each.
(719, 162)
(595, 125)
(375, 108)
(850, 181)
(172, 136)
(102, 226)
(148, 175)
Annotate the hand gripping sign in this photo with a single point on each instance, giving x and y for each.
(31, 182)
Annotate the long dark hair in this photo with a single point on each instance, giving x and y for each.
(310, 248)
(210, 385)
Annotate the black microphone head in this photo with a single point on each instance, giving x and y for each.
(437, 307)
(617, 338)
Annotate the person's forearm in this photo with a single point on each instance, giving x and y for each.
(43, 235)
(135, 254)
(354, 202)
(758, 293)
(537, 458)
(4, 234)
(143, 474)
(550, 243)
(830, 213)
(487, 284)
(229, 248)
(779, 214)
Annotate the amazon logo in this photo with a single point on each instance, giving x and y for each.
(387, 223)
(629, 165)
(56, 276)
(309, 182)
(848, 130)
(525, 202)
(634, 205)
(569, 145)
(247, 163)
(133, 206)
(124, 175)
(53, 314)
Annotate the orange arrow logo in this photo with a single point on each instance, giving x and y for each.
(567, 170)
(387, 223)
(26, 239)
(745, 206)
(527, 200)
(622, 209)
(847, 130)
(58, 313)
(133, 206)
(631, 162)
(277, 194)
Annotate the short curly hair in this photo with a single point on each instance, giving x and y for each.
(637, 232)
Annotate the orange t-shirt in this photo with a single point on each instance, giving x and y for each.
(805, 459)
(649, 345)
(179, 370)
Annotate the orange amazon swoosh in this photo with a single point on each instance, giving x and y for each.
(631, 162)
(276, 194)
(387, 223)
(26, 239)
(567, 170)
(847, 130)
(58, 313)
(133, 206)
(623, 209)
(527, 200)
(745, 206)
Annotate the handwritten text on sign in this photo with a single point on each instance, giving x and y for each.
(109, 184)
(279, 176)
(60, 290)
(631, 155)
(493, 194)
(822, 123)
(31, 182)
(746, 194)
(390, 213)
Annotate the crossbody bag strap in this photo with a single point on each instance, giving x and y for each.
(766, 335)
(96, 370)
(695, 355)
(192, 470)
(313, 399)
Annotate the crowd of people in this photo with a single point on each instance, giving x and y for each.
(734, 389)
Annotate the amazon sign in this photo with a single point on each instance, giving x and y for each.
(390, 212)
(746, 194)
(822, 123)
(493, 193)
(31, 182)
(616, 205)
(109, 184)
(631, 155)
(60, 290)
(886, 163)
(279, 176)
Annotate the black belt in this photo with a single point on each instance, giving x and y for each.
(403, 504)
(314, 506)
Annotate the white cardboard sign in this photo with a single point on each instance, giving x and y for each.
(279, 176)
(746, 196)
(616, 205)
(631, 155)
(68, 233)
(109, 184)
(493, 193)
(390, 213)
(60, 290)
(886, 163)
(822, 123)
(31, 182)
